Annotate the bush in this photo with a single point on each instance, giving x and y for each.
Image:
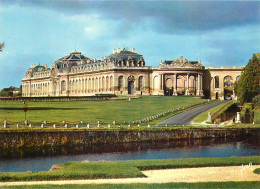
(256, 100)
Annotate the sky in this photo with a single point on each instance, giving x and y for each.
(219, 33)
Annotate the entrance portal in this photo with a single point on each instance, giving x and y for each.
(216, 95)
(131, 87)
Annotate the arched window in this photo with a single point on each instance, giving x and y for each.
(111, 83)
(107, 83)
(228, 81)
(216, 79)
(63, 86)
(238, 77)
(120, 83)
(140, 83)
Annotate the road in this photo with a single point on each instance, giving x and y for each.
(186, 117)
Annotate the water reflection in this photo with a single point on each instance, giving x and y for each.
(43, 159)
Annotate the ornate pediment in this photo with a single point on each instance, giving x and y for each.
(180, 63)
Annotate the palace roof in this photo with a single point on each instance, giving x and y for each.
(74, 56)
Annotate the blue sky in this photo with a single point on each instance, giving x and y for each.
(219, 33)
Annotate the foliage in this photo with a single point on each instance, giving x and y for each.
(256, 100)
(123, 169)
(248, 86)
(8, 92)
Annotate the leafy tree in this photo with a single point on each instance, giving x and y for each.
(8, 92)
(248, 86)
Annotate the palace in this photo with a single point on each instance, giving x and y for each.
(125, 72)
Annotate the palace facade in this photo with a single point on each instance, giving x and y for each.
(124, 72)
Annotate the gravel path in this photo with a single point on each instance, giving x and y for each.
(186, 117)
(204, 174)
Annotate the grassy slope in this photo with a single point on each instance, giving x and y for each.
(91, 111)
(122, 169)
(204, 116)
(257, 117)
(207, 185)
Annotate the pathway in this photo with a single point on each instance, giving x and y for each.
(203, 174)
(186, 117)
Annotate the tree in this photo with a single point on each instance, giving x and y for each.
(248, 86)
(2, 46)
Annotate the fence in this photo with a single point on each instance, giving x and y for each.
(82, 123)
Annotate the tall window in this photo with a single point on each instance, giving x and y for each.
(63, 86)
(140, 83)
(216, 81)
(120, 83)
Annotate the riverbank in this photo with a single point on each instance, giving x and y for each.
(40, 138)
(124, 169)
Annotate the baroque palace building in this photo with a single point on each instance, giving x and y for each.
(125, 72)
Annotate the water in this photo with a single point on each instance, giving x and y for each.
(19, 161)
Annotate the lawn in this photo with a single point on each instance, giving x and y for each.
(257, 117)
(123, 169)
(206, 185)
(91, 111)
(204, 116)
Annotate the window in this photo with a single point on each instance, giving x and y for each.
(216, 81)
(140, 83)
(120, 83)
(63, 86)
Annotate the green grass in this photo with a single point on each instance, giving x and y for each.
(123, 169)
(204, 116)
(90, 111)
(207, 185)
(257, 171)
(257, 116)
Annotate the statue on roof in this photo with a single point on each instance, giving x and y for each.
(2, 46)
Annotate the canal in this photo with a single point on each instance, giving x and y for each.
(43, 159)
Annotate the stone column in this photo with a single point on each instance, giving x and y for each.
(175, 85)
(201, 83)
(199, 89)
(42, 84)
(161, 83)
(187, 92)
(30, 85)
(67, 86)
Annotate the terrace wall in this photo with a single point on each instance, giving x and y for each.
(34, 139)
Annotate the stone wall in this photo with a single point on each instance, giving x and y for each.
(33, 139)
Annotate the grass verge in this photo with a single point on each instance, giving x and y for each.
(123, 169)
(257, 171)
(207, 185)
(89, 111)
(204, 116)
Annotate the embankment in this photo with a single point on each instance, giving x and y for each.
(34, 139)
